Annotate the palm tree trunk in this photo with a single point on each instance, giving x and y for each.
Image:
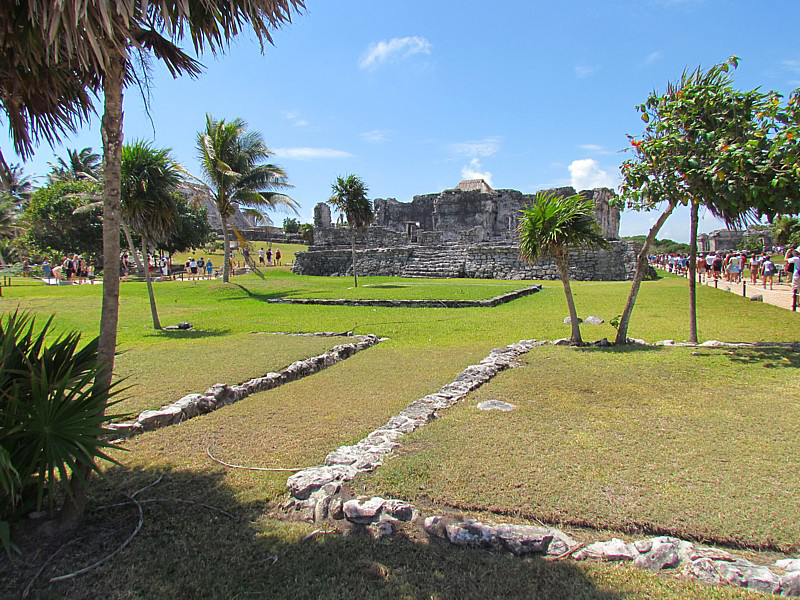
(353, 247)
(562, 262)
(692, 275)
(149, 280)
(226, 243)
(641, 266)
(132, 248)
(74, 509)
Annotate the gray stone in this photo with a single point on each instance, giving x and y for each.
(363, 511)
(303, 483)
(663, 555)
(524, 539)
(730, 573)
(761, 579)
(562, 342)
(788, 564)
(712, 344)
(155, 419)
(397, 509)
(336, 509)
(568, 320)
(383, 528)
(756, 298)
(434, 526)
(704, 570)
(643, 546)
(789, 585)
(594, 320)
(496, 405)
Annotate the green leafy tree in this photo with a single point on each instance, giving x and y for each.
(350, 199)
(53, 223)
(706, 144)
(51, 69)
(233, 163)
(79, 164)
(191, 229)
(553, 224)
(307, 233)
(291, 225)
(786, 230)
(150, 180)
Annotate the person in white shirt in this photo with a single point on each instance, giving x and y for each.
(795, 260)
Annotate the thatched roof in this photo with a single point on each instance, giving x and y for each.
(474, 185)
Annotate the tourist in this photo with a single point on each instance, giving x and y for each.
(710, 262)
(26, 267)
(123, 268)
(277, 257)
(269, 255)
(794, 262)
(261, 256)
(47, 270)
(209, 268)
(201, 266)
(246, 254)
(164, 270)
(701, 268)
(789, 266)
(90, 273)
(68, 267)
(767, 271)
(717, 265)
(192, 268)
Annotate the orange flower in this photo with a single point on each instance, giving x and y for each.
(789, 136)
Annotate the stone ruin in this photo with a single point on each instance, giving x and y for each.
(468, 231)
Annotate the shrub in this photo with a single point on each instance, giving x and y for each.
(51, 413)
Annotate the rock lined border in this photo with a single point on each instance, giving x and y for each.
(496, 301)
(220, 394)
(318, 493)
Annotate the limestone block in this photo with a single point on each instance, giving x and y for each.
(397, 509)
(524, 539)
(303, 483)
(434, 526)
(662, 555)
(789, 564)
(789, 585)
(761, 579)
(363, 511)
(703, 570)
(155, 419)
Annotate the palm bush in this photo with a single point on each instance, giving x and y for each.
(350, 199)
(51, 414)
(552, 225)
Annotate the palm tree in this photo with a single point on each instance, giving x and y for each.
(79, 164)
(350, 199)
(50, 69)
(552, 225)
(150, 180)
(233, 162)
(15, 186)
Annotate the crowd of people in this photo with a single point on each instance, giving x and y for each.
(73, 269)
(730, 266)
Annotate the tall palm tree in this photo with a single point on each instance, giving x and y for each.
(350, 199)
(15, 186)
(49, 69)
(552, 225)
(233, 162)
(150, 181)
(79, 164)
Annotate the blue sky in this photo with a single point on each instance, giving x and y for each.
(415, 96)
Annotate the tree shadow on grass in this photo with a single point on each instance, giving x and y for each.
(624, 349)
(198, 551)
(264, 296)
(770, 358)
(187, 334)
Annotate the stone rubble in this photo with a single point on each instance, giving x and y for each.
(318, 493)
(221, 394)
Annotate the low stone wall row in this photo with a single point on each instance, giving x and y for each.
(221, 394)
(617, 263)
(319, 493)
(496, 301)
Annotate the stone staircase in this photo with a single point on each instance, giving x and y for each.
(435, 262)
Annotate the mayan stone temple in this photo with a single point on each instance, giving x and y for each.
(468, 231)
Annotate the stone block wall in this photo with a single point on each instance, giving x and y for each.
(618, 263)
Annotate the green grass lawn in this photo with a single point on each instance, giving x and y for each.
(192, 552)
(695, 443)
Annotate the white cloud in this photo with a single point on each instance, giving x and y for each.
(310, 153)
(584, 70)
(586, 174)
(294, 117)
(488, 146)
(395, 48)
(595, 149)
(473, 171)
(652, 58)
(375, 136)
